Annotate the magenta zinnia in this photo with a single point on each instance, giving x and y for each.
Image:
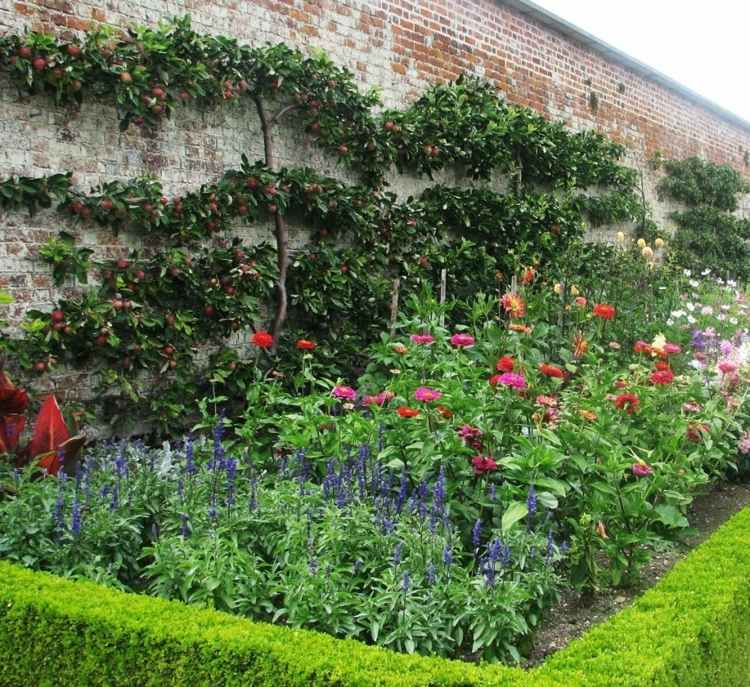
(511, 379)
(424, 393)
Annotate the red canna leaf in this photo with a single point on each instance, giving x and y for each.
(11, 427)
(13, 401)
(49, 429)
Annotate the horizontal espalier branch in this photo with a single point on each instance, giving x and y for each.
(152, 71)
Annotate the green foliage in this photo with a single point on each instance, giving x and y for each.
(698, 183)
(708, 236)
(66, 260)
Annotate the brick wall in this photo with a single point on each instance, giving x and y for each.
(398, 45)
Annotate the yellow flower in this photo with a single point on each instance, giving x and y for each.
(659, 243)
(621, 237)
(641, 243)
(558, 288)
(647, 252)
(574, 290)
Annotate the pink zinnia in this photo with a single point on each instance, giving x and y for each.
(670, 348)
(483, 464)
(344, 393)
(462, 340)
(511, 379)
(727, 367)
(549, 401)
(424, 393)
(641, 469)
(422, 339)
(378, 399)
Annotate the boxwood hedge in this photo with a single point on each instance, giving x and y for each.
(692, 629)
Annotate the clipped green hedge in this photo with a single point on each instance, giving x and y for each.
(692, 629)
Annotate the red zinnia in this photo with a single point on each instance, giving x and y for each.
(405, 411)
(661, 365)
(551, 371)
(306, 345)
(262, 339)
(627, 402)
(604, 310)
(662, 377)
(505, 364)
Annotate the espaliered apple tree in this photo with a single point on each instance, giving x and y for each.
(151, 312)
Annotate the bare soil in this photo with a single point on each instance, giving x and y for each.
(572, 617)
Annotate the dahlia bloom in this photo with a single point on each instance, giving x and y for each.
(514, 304)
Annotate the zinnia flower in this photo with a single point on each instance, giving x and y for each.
(662, 377)
(642, 347)
(627, 402)
(424, 393)
(695, 431)
(306, 345)
(422, 339)
(528, 276)
(604, 311)
(514, 304)
(505, 364)
(641, 469)
(262, 339)
(405, 411)
(692, 407)
(580, 301)
(462, 340)
(511, 379)
(483, 464)
(551, 371)
(727, 367)
(344, 393)
(399, 348)
(378, 399)
(446, 412)
(520, 328)
(549, 401)
(588, 415)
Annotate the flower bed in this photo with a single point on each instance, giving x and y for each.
(54, 631)
(440, 506)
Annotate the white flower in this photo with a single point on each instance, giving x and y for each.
(690, 307)
(677, 313)
(694, 283)
(707, 310)
(687, 273)
(691, 319)
(670, 322)
(705, 273)
(721, 317)
(697, 364)
(733, 320)
(731, 283)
